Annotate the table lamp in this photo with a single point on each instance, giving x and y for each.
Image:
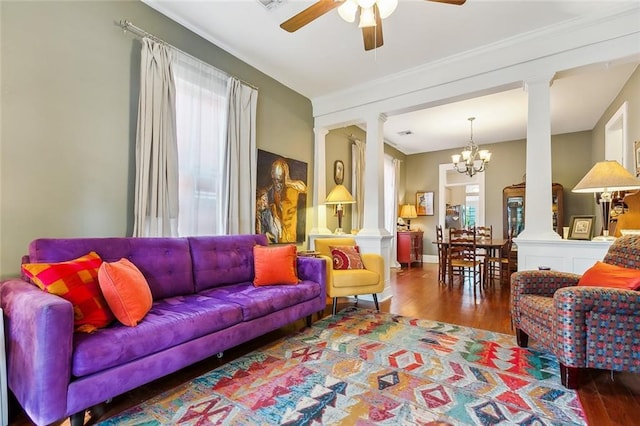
(606, 177)
(339, 196)
(408, 211)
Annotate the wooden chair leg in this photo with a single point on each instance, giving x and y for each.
(375, 300)
(77, 419)
(522, 338)
(569, 376)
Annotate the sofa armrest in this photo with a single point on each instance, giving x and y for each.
(314, 269)
(38, 335)
(584, 315)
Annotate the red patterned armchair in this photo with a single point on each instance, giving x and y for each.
(584, 327)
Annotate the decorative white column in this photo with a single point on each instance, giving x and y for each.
(538, 199)
(373, 223)
(318, 210)
(373, 237)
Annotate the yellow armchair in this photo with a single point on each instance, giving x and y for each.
(351, 282)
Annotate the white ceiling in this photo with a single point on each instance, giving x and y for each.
(327, 56)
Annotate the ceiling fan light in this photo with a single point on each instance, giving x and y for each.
(386, 7)
(365, 4)
(367, 18)
(348, 10)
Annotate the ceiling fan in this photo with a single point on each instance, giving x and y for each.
(372, 12)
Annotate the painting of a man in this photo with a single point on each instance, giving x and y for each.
(281, 198)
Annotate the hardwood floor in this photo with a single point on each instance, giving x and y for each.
(416, 293)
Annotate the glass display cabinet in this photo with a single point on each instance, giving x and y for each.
(513, 200)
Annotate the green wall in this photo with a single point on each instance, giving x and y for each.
(69, 79)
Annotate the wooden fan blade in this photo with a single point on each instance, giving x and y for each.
(455, 2)
(314, 11)
(372, 36)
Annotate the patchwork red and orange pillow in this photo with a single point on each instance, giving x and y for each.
(76, 281)
(346, 257)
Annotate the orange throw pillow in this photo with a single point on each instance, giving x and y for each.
(346, 257)
(126, 291)
(606, 275)
(275, 265)
(76, 281)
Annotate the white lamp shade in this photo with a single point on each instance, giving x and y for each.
(365, 4)
(367, 18)
(348, 10)
(386, 7)
(607, 176)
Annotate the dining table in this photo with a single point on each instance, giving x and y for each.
(491, 245)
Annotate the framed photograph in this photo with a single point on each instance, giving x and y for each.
(424, 203)
(581, 227)
(636, 150)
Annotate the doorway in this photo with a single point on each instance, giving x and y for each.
(461, 200)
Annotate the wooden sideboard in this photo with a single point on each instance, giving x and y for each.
(410, 247)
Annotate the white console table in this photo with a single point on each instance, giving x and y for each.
(560, 255)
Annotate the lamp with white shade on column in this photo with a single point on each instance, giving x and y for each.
(606, 177)
(339, 196)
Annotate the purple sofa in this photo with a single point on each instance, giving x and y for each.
(204, 303)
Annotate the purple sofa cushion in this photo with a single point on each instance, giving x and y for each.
(164, 262)
(169, 323)
(221, 260)
(256, 302)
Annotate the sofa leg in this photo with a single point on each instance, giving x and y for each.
(98, 410)
(219, 355)
(569, 376)
(375, 300)
(335, 305)
(522, 338)
(77, 419)
(309, 320)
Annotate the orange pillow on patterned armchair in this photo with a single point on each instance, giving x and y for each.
(606, 275)
(76, 281)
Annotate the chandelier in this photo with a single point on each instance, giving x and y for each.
(349, 9)
(474, 160)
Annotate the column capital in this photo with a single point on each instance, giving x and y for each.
(320, 131)
(546, 78)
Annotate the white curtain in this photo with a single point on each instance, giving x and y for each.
(201, 118)
(358, 164)
(156, 182)
(391, 174)
(239, 180)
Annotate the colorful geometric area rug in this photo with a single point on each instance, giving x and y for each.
(363, 367)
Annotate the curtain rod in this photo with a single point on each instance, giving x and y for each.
(139, 32)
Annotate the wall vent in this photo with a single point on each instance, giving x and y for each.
(270, 4)
(405, 133)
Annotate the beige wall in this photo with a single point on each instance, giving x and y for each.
(630, 93)
(69, 101)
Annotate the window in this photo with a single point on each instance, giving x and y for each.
(201, 104)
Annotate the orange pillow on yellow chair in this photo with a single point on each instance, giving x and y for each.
(126, 291)
(606, 275)
(275, 265)
(76, 281)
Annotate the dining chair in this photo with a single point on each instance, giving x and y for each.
(442, 255)
(499, 264)
(463, 259)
